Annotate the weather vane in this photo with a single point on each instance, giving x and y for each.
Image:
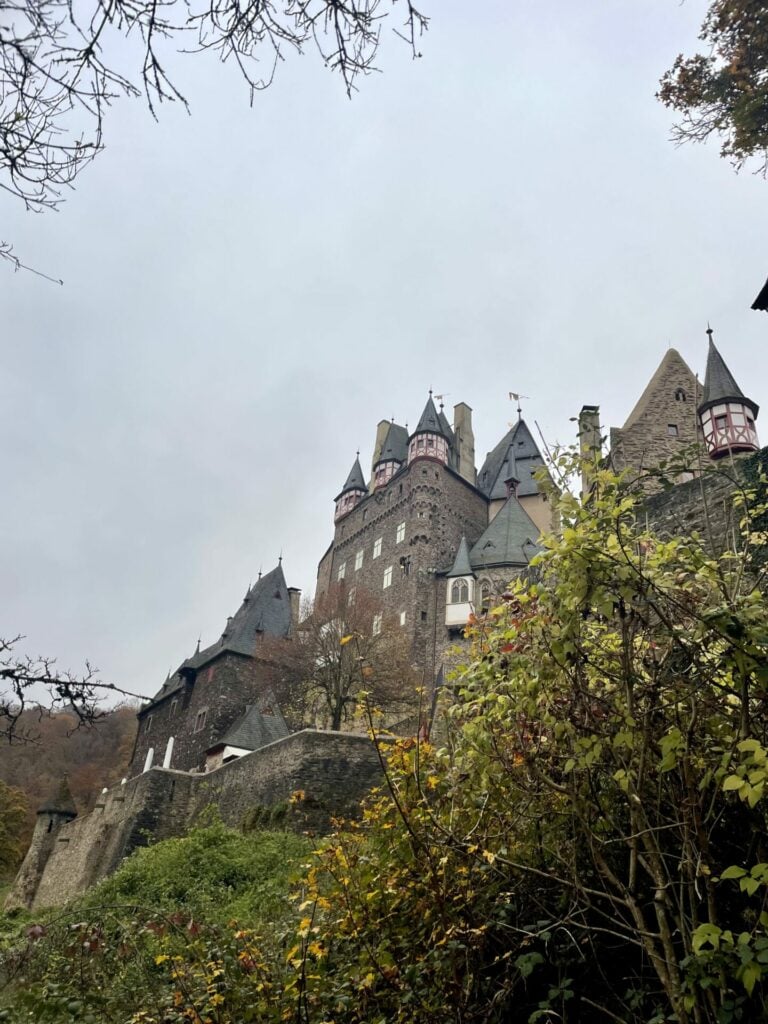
(514, 396)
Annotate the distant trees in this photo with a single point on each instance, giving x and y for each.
(13, 812)
(346, 646)
(724, 92)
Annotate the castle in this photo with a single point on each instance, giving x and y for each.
(434, 539)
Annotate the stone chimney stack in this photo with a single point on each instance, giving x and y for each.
(381, 435)
(589, 441)
(465, 439)
(295, 595)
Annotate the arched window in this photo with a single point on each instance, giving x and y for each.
(459, 592)
(679, 395)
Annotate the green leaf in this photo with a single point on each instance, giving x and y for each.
(734, 871)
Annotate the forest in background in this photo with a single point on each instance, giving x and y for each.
(92, 757)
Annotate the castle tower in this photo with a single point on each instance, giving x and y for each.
(393, 453)
(727, 416)
(432, 437)
(353, 491)
(54, 812)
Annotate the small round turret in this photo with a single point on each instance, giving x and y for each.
(429, 439)
(727, 416)
(353, 491)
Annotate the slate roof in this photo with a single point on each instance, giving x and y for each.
(395, 447)
(509, 538)
(515, 455)
(461, 565)
(59, 801)
(719, 383)
(761, 302)
(253, 730)
(266, 608)
(430, 421)
(355, 480)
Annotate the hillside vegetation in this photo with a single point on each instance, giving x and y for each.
(586, 842)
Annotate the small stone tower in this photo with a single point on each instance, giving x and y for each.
(353, 491)
(727, 416)
(54, 812)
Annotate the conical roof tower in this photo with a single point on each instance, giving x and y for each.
(430, 440)
(727, 416)
(353, 491)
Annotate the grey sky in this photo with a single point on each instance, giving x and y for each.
(247, 292)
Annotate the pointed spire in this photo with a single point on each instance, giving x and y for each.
(355, 480)
(719, 382)
(430, 419)
(59, 801)
(461, 565)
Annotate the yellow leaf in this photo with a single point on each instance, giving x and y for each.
(162, 958)
(345, 639)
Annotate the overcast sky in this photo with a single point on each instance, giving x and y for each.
(248, 291)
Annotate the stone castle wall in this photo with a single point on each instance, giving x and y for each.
(333, 772)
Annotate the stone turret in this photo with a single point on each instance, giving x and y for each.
(353, 491)
(727, 416)
(55, 811)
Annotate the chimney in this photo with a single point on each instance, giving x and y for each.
(590, 442)
(381, 435)
(465, 441)
(295, 596)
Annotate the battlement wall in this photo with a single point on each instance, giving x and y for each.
(332, 772)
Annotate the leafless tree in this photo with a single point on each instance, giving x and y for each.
(56, 81)
(346, 646)
(35, 684)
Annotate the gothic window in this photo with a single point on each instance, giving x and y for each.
(200, 720)
(672, 430)
(400, 535)
(342, 571)
(387, 577)
(377, 547)
(359, 560)
(459, 592)
(679, 395)
(376, 624)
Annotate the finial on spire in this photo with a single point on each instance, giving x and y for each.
(259, 572)
(514, 395)
(710, 332)
(430, 392)
(198, 645)
(280, 557)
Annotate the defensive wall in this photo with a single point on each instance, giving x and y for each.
(331, 772)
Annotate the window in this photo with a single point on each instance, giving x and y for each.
(485, 595)
(200, 720)
(679, 395)
(342, 571)
(423, 616)
(400, 535)
(721, 422)
(351, 595)
(402, 618)
(359, 560)
(365, 514)
(672, 430)
(174, 707)
(376, 624)
(149, 724)
(377, 547)
(387, 577)
(459, 592)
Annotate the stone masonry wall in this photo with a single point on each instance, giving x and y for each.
(334, 771)
(222, 690)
